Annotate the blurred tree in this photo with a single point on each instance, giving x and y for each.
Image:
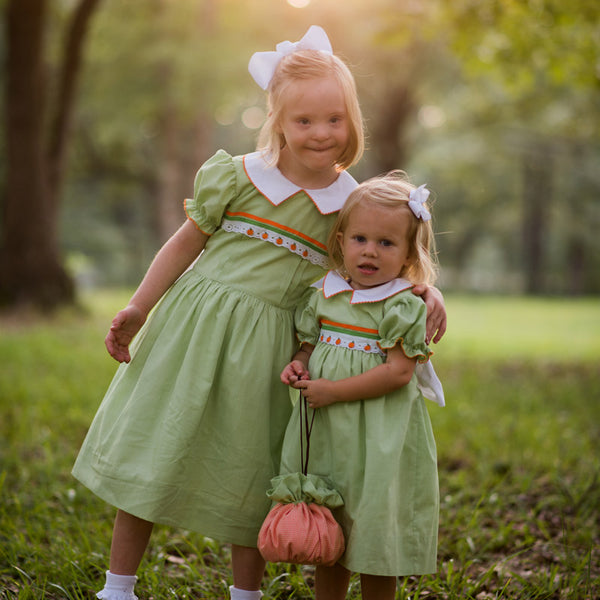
(31, 271)
(188, 28)
(540, 61)
(401, 56)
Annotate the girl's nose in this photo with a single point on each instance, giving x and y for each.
(370, 249)
(321, 132)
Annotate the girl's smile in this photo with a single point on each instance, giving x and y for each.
(374, 245)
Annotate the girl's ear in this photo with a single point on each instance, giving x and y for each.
(276, 125)
(279, 131)
(410, 261)
(340, 240)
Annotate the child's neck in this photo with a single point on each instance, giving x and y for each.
(303, 177)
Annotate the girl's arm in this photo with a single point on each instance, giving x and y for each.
(169, 264)
(436, 312)
(297, 369)
(394, 373)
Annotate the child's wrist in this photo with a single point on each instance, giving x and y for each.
(335, 392)
(139, 308)
(303, 357)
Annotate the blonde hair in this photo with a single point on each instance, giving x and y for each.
(311, 64)
(391, 191)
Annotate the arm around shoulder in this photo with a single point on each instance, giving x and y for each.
(436, 311)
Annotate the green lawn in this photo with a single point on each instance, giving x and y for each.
(540, 329)
(518, 446)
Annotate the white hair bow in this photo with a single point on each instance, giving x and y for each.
(262, 65)
(417, 201)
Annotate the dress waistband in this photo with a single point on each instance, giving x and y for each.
(199, 272)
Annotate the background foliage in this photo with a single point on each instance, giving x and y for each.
(493, 104)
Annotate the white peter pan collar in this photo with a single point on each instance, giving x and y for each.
(334, 283)
(276, 188)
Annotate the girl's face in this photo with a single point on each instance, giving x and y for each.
(374, 245)
(314, 123)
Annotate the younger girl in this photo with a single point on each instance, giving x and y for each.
(190, 430)
(362, 335)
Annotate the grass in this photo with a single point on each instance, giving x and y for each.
(518, 446)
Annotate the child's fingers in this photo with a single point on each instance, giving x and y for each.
(294, 373)
(290, 374)
(287, 377)
(302, 377)
(297, 367)
(303, 385)
(440, 329)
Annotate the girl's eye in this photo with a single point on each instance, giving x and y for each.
(386, 243)
(303, 121)
(359, 238)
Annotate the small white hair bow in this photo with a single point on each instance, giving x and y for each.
(262, 65)
(418, 197)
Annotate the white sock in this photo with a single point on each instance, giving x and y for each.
(237, 594)
(118, 586)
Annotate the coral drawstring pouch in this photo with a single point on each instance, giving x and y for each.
(300, 528)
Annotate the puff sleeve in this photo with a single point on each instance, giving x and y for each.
(305, 318)
(403, 323)
(214, 188)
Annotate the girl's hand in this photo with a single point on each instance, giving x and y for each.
(123, 329)
(319, 392)
(436, 311)
(294, 372)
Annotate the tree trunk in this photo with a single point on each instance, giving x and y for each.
(184, 147)
(393, 115)
(182, 153)
(537, 195)
(577, 250)
(62, 117)
(31, 271)
(576, 265)
(169, 214)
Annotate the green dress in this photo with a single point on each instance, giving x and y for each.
(380, 453)
(190, 431)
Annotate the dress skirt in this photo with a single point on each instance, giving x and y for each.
(190, 431)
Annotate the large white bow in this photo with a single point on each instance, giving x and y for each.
(262, 65)
(417, 201)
